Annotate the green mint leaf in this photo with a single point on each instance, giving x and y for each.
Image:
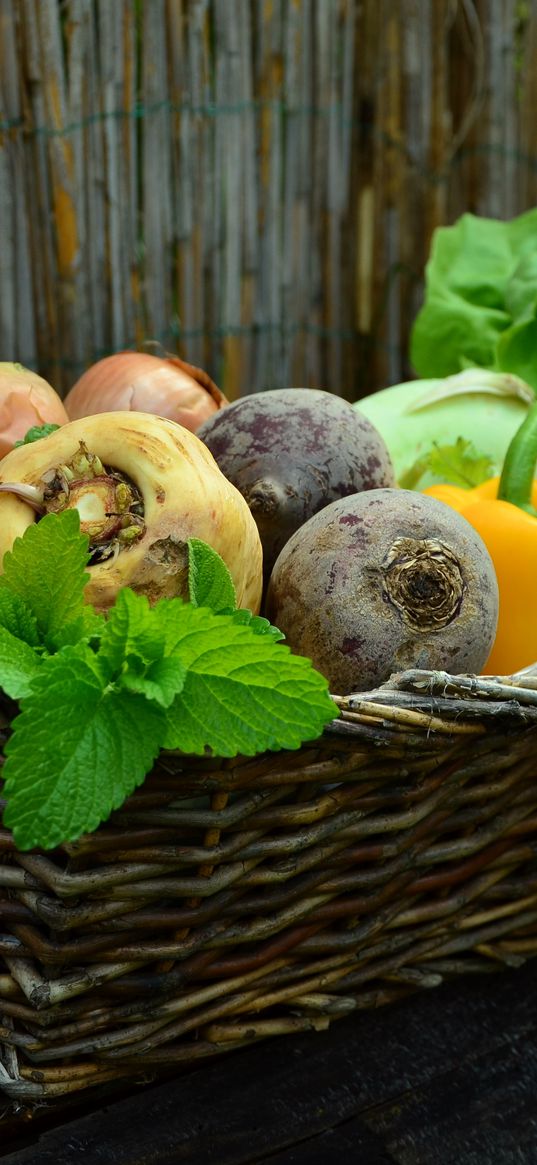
(209, 581)
(133, 628)
(35, 434)
(243, 693)
(459, 464)
(89, 625)
(15, 616)
(78, 748)
(257, 623)
(137, 642)
(160, 681)
(19, 664)
(46, 568)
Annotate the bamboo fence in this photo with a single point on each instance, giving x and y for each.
(252, 184)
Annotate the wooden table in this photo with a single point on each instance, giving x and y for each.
(446, 1077)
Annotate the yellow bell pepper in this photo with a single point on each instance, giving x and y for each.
(503, 510)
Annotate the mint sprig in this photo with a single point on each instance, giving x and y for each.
(46, 569)
(78, 749)
(99, 698)
(209, 581)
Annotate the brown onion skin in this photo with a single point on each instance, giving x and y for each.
(141, 382)
(26, 400)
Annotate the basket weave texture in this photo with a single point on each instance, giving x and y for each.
(229, 901)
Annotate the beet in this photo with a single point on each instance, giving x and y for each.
(292, 451)
(383, 581)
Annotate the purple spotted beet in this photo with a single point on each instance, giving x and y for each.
(383, 581)
(292, 451)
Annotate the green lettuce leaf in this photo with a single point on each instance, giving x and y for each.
(479, 285)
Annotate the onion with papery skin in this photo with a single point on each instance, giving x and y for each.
(141, 382)
(26, 400)
(143, 486)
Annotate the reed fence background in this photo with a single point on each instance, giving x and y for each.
(251, 183)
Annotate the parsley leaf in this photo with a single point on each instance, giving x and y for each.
(459, 464)
(209, 581)
(78, 748)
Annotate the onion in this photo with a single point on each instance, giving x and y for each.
(26, 400)
(140, 382)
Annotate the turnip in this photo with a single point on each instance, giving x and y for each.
(290, 452)
(143, 485)
(383, 581)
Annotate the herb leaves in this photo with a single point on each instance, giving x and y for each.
(100, 697)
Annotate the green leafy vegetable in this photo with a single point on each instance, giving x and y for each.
(258, 623)
(19, 664)
(480, 305)
(99, 698)
(209, 581)
(242, 692)
(78, 748)
(457, 464)
(35, 434)
(46, 569)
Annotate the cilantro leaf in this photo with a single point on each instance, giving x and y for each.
(209, 581)
(45, 568)
(459, 464)
(19, 664)
(243, 693)
(78, 748)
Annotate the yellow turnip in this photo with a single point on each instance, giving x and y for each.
(143, 485)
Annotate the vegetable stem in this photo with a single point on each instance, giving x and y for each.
(518, 471)
(27, 493)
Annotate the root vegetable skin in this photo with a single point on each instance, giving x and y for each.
(383, 581)
(290, 452)
(141, 382)
(184, 495)
(26, 400)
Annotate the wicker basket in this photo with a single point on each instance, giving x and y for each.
(229, 901)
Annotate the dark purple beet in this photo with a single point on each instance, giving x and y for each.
(292, 451)
(381, 582)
